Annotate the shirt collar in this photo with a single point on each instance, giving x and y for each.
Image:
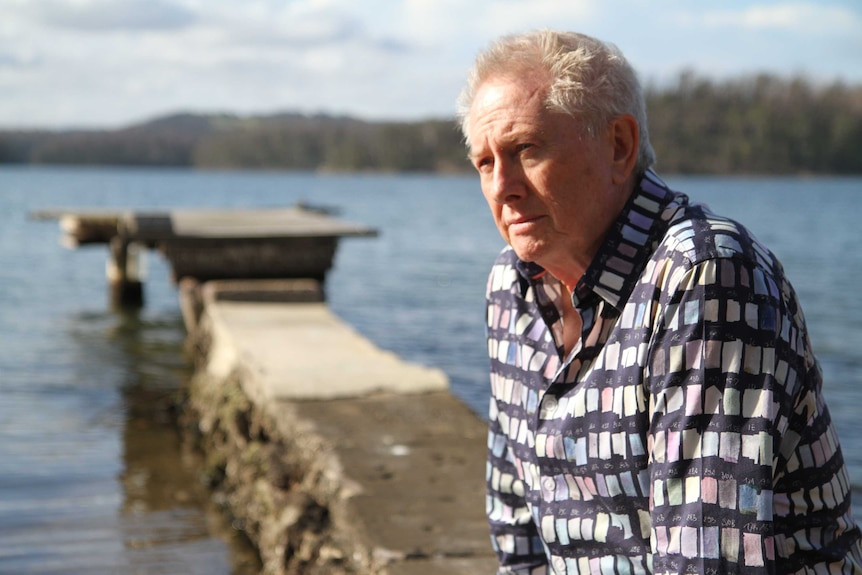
(628, 246)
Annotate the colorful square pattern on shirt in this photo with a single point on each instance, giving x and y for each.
(685, 433)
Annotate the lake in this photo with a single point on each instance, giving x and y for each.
(93, 478)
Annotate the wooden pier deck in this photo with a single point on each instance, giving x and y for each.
(202, 245)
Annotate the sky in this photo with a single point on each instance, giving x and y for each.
(112, 63)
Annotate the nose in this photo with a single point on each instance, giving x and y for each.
(506, 182)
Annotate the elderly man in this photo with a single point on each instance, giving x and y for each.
(656, 405)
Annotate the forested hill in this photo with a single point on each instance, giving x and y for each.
(753, 125)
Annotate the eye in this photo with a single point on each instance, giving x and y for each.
(483, 164)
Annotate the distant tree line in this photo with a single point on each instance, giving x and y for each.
(340, 144)
(754, 125)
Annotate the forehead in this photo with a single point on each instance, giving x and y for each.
(505, 104)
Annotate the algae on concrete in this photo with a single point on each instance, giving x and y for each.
(387, 480)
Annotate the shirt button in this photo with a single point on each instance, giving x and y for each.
(549, 485)
(549, 405)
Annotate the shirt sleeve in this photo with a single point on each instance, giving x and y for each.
(514, 536)
(734, 405)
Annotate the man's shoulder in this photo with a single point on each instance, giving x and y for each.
(697, 235)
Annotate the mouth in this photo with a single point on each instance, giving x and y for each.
(522, 221)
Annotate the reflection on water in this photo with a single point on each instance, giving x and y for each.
(166, 511)
(169, 523)
(94, 478)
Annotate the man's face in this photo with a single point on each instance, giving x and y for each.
(549, 186)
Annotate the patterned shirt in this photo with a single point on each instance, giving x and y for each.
(686, 431)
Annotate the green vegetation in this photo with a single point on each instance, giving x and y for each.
(753, 125)
(756, 125)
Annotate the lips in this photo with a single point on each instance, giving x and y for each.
(521, 220)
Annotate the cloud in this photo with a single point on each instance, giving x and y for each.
(110, 15)
(250, 57)
(19, 61)
(803, 18)
(116, 61)
(284, 27)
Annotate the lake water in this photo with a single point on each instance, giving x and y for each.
(92, 476)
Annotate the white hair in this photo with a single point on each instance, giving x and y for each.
(587, 78)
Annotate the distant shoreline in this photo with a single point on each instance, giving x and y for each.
(759, 125)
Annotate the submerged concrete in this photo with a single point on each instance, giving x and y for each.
(334, 456)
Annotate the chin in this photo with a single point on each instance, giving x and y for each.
(526, 253)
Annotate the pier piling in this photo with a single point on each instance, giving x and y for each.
(124, 273)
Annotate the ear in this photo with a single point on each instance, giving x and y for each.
(626, 140)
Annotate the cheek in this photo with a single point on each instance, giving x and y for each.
(497, 214)
(495, 207)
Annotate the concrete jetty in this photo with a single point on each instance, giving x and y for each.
(334, 456)
(208, 244)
